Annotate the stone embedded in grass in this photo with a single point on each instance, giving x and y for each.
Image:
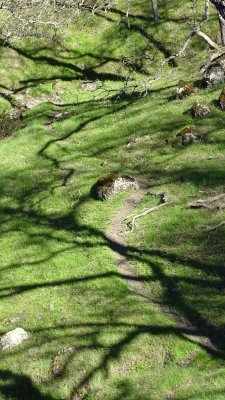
(189, 138)
(200, 110)
(186, 136)
(215, 74)
(184, 89)
(111, 184)
(90, 85)
(222, 99)
(13, 338)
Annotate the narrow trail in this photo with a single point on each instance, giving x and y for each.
(118, 244)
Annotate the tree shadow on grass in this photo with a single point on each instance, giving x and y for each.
(71, 223)
(18, 387)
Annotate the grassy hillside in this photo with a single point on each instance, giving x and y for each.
(91, 337)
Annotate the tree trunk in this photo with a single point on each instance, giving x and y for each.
(155, 10)
(206, 9)
(220, 6)
(222, 28)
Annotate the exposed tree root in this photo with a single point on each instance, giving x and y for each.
(163, 202)
(209, 203)
(213, 228)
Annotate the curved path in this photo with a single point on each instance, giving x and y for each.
(118, 244)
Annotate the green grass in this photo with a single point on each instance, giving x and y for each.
(58, 275)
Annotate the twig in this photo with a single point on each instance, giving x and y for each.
(213, 228)
(195, 32)
(208, 203)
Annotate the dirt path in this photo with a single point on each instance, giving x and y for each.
(118, 244)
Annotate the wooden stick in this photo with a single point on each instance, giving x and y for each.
(131, 224)
(213, 228)
(208, 203)
(207, 39)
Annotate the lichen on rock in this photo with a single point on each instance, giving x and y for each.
(200, 110)
(111, 184)
(214, 74)
(14, 338)
(184, 89)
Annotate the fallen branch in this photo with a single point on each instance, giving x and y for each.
(214, 57)
(208, 203)
(195, 32)
(213, 228)
(214, 158)
(163, 202)
(131, 224)
(212, 44)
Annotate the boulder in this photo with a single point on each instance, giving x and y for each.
(111, 184)
(214, 74)
(222, 99)
(184, 89)
(200, 110)
(13, 338)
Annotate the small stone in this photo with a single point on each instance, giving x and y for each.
(14, 318)
(89, 86)
(184, 89)
(111, 184)
(131, 143)
(13, 338)
(200, 110)
(189, 138)
(222, 99)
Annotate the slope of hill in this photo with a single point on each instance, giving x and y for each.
(91, 336)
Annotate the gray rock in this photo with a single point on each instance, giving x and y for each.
(111, 184)
(89, 85)
(13, 338)
(215, 74)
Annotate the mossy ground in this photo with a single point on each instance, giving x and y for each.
(58, 276)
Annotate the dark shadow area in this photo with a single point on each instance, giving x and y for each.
(216, 103)
(18, 387)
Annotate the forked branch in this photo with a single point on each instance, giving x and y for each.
(163, 202)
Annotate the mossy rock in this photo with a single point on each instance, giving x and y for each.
(187, 129)
(200, 110)
(215, 74)
(111, 184)
(184, 89)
